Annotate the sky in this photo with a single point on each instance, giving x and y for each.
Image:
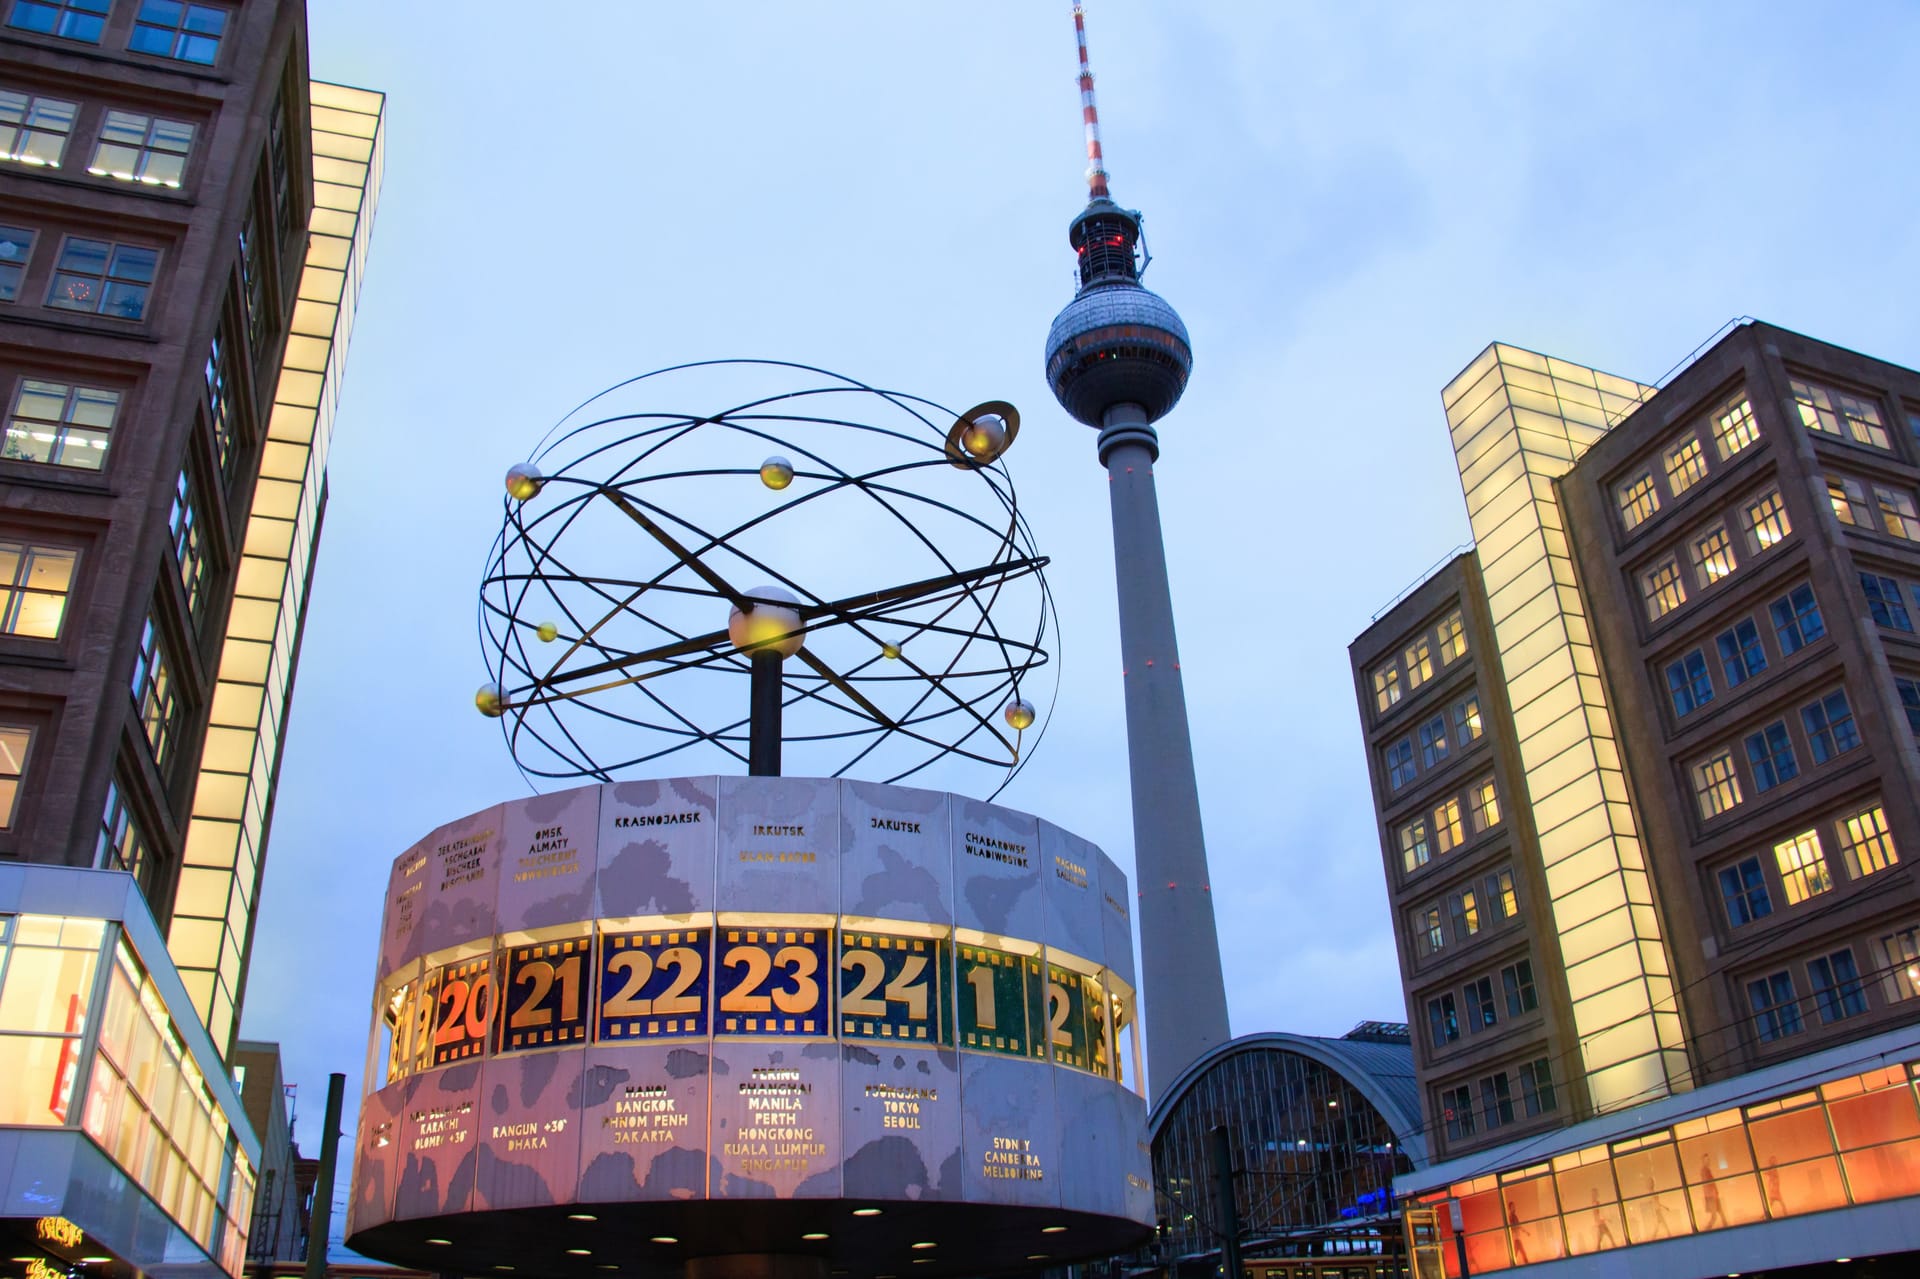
(1346, 202)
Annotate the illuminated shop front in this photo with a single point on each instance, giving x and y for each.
(123, 1145)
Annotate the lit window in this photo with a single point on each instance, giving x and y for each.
(1486, 805)
(1884, 602)
(1419, 663)
(1536, 1086)
(1466, 720)
(1501, 899)
(155, 692)
(1734, 428)
(61, 425)
(1428, 935)
(1386, 680)
(34, 130)
(1453, 637)
(1638, 500)
(1830, 727)
(1838, 414)
(1449, 832)
(142, 148)
(122, 845)
(1481, 1013)
(1803, 867)
(1465, 907)
(1715, 785)
(1686, 466)
(1776, 1007)
(1456, 1104)
(15, 741)
(1663, 588)
(68, 19)
(1770, 752)
(1517, 981)
(189, 552)
(1767, 522)
(1741, 654)
(1496, 1099)
(1713, 557)
(1443, 1020)
(1837, 991)
(1845, 497)
(1866, 844)
(1796, 619)
(1414, 850)
(1688, 683)
(103, 279)
(1433, 741)
(16, 247)
(1743, 890)
(34, 584)
(1897, 512)
(1897, 955)
(1909, 690)
(1400, 769)
(171, 29)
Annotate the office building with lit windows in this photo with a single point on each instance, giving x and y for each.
(1645, 768)
(184, 218)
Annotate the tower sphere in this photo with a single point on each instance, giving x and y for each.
(1116, 342)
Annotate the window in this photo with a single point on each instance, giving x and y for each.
(1662, 588)
(1734, 428)
(61, 425)
(1715, 784)
(1428, 936)
(1536, 1086)
(1837, 991)
(16, 247)
(1909, 690)
(1456, 1105)
(1713, 556)
(155, 692)
(224, 419)
(121, 846)
(1838, 414)
(1897, 512)
(1448, 831)
(1796, 619)
(1865, 842)
(1846, 499)
(1830, 727)
(280, 165)
(15, 741)
(1743, 890)
(1486, 805)
(1767, 522)
(142, 148)
(1414, 852)
(1501, 899)
(1897, 955)
(1803, 867)
(1517, 981)
(1481, 1012)
(1443, 1020)
(1400, 769)
(1466, 720)
(34, 130)
(1386, 680)
(1466, 914)
(34, 585)
(1638, 500)
(1453, 637)
(1770, 751)
(68, 19)
(1884, 602)
(171, 29)
(1496, 1099)
(1689, 684)
(1419, 663)
(253, 279)
(103, 279)
(1741, 654)
(1433, 741)
(1686, 465)
(189, 552)
(1775, 1006)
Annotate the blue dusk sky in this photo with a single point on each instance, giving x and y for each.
(1346, 202)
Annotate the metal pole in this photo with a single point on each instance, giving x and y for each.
(1227, 1209)
(763, 739)
(320, 1222)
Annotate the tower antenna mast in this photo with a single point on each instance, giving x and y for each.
(1089, 111)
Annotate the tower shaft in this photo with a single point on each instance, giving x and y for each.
(1185, 990)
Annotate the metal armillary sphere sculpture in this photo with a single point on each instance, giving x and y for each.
(693, 561)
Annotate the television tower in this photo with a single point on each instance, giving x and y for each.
(1118, 359)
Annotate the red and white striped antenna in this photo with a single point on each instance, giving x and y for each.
(1096, 164)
